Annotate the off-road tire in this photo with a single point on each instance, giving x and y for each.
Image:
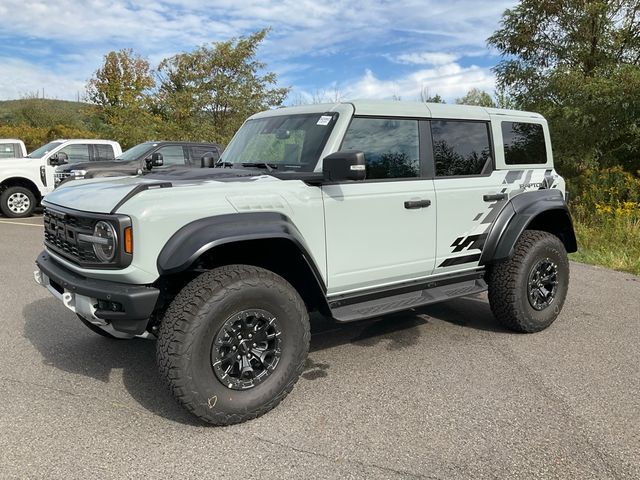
(194, 318)
(509, 282)
(6, 195)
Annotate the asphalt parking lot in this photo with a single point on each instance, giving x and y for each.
(438, 393)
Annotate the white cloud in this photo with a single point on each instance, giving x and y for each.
(450, 81)
(426, 58)
(20, 78)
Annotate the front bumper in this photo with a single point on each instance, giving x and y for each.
(92, 299)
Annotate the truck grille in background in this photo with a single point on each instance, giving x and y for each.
(59, 177)
(61, 235)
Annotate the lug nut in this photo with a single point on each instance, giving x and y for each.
(238, 357)
(234, 347)
(250, 336)
(254, 345)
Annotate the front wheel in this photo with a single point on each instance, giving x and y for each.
(17, 202)
(527, 291)
(233, 343)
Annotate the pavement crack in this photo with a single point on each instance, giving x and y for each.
(403, 473)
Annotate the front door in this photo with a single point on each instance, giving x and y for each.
(381, 231)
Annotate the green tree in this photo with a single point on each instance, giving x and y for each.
(578, 63)
(476, 97)
(121, 89)
(206, 94)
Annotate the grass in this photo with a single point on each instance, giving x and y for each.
(609, 241)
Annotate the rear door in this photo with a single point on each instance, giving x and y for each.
(381, 231)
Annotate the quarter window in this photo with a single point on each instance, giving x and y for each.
(523, 143)
(390, 146)
(460, 148)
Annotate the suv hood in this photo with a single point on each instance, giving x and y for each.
(90, 167)
(102, 195)
(18, 162)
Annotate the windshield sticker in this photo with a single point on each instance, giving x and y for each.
(324, 120)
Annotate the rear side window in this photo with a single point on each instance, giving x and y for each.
(460, 148)
(523, 143)
(7, 150)
(104, 152)
(390, 146)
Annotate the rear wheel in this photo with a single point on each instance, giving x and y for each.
(17, 202)
(233, 343)
(527, 291)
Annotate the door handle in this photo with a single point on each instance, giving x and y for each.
(495, 196)
(412, 204)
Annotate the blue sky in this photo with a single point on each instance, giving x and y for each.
(343, 49)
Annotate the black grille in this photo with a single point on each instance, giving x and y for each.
(61, 234)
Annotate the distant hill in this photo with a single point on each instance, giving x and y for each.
(39, 112)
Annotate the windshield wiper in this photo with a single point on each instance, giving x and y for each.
(269, 166)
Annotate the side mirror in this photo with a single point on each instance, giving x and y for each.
(344, 165)
(59, 158)
(155, 161)
(208, 160)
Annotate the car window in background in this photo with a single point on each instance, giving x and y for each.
(390, 146)
(43, 150)
(77, 153)
(172, 155)
(197, 152)
(135, 152)
(103, 152)
(8, 150)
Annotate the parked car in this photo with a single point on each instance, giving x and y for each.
(12, 148)
(354, 210)
(24, 181)
(138, 160)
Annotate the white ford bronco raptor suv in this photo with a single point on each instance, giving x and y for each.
(353, 210)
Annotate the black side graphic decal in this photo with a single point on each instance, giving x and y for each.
(460, 260)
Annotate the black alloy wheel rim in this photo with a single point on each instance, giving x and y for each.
(543, 284)
(246, 349)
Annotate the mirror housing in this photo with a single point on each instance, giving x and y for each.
(208, 160)
(344, 165)
(59, 158)
(155, 161)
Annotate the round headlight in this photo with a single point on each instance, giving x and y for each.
(107, 240)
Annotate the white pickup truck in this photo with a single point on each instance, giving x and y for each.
(24, 181)
(12, 148)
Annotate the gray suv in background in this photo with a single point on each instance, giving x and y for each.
(142, 158)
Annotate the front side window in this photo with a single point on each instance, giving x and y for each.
(197, 152)
(523, 143)
(288, 142)
(390, 146)
(460, 148)
(172, 155)
(76, 153)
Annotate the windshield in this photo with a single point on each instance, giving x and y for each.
(285, 142)
(43, 150)
(135, 152)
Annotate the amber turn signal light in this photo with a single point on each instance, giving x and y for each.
(128, 240)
